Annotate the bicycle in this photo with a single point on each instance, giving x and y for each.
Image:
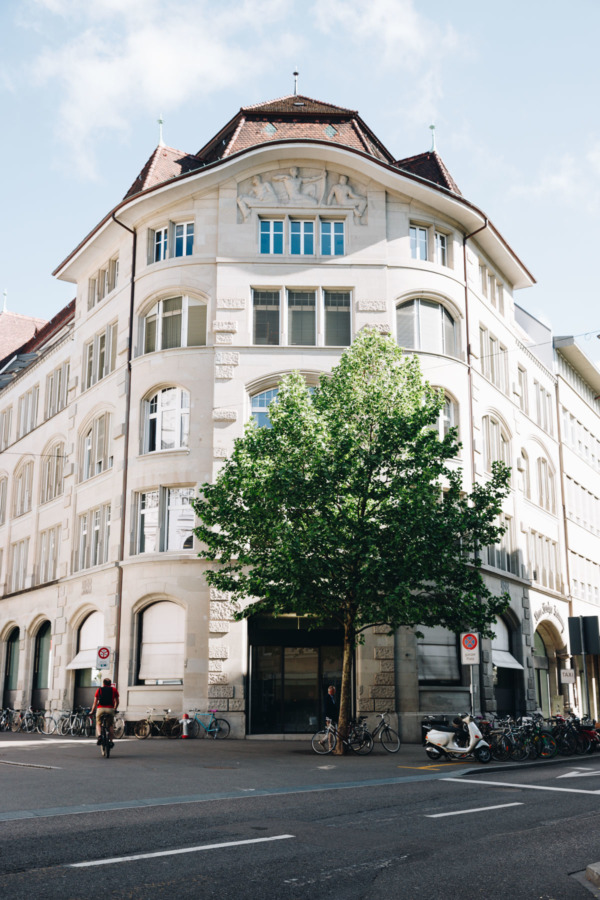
(359, 739)
(106, 744)
(218, 728)
(149, 727)
(388, 738)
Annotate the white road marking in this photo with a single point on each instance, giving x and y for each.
(52, 741)
(580, 773)
(462, 812)
(5, 762)
(525, 787)
(120, 859)
(325, 768)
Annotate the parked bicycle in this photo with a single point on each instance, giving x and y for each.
(218, 729)
(30, 720)
(388, 738)
(168, 726)
(359, 739)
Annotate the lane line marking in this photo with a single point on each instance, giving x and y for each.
(463, 812)
(525, 787)
(120, 859)
(6, 762)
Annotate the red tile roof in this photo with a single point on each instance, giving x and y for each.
(292, 103)
(164, 163)
(41, 334)
(431, 167)
(16, 329)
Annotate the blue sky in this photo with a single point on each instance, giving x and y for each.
(512, 89)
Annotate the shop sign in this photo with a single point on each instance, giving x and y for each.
(550, 610)
(567, 676)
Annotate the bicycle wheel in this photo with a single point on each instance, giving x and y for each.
(566, 743)
(47, 724)
(519, 751)
(360, 743)
(389, 740)
(141, 729)
(62, 726)
(583, 744)
(176, 730)
(323, 741)
(548, 746)
(119, 727)
(221, 729)
(16, 724)
(193, 728)
(76, 728)
(29, 723)
(500, 748)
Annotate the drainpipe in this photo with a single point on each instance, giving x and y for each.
(121, 551)
(471, 416)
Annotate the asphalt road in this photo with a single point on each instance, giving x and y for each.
(252, 820)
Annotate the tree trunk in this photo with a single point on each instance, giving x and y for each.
(346, 688)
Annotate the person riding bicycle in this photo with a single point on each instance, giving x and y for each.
(106, 701)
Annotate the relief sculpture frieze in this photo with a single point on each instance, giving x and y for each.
(300, 189)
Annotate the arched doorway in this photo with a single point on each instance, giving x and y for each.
(541, 669)
(290, 669)
(11, 669)
(506, 671)
(42, 662)
(90, 636)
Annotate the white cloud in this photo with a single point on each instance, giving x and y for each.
(568, 179)
(122, 59)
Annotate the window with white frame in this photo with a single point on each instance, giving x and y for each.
(337, 306)
(260, 407)
(96, 448)
(99, 356)
(3, 499)
(22, 485)
(48, 546)
(496, 444)
(523, 390)
(165, 520)
(492, 288)
(419, 238)
(174, 322)
(93, 538)
(5, 423)
(53, 464)
(28, 408)
(302, 317)
(161, 629)
(494, 359)
(502, 555)
(428, 243)
(175, 239)
(103, 282)
(546, 493)
(266, 317)
(332, 237)
(57, 386)
(543, 408)
(426, 325)
(524, 474)
(18, 579)
(166, 420)
(271, 236)
(437, 656)
(302, 237)
(448, 417)
(440, 248)
(544, 562)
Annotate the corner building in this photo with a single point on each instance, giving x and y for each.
(265, 252)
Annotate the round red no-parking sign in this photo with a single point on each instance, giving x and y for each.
(469, 648)
(469, 641)
(103, 657)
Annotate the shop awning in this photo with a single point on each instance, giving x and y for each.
(85, 659)
(504, 660)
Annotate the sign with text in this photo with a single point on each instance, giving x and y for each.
(103, 658)
(469, 648)
(567, 676)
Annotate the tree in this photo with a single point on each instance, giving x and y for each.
(351, 507)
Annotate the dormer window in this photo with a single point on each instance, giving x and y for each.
(270, 128)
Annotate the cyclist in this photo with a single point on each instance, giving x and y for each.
(106, 701)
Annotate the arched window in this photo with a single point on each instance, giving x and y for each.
(166, 420)
(11, 668)
(437, 655)
(174, 322)
(260, 407)
(448, 417)
(545, 484)
(525, 474)
(22, 489)
(426, 325)
(90, 636)
(495, 442)
(162, 644)
(96, 448)
(42, 658)
(52, 472)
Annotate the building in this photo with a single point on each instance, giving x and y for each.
(264, 252)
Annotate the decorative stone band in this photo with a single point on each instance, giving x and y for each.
(227, 358)
(218, 626)
(225, 373)
(224, 415)
(217, 651)
(371, 305)
(222, 337)
(230, 327)
(382, 329)
(234, 303)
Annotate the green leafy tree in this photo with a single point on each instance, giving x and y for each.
(350, 507)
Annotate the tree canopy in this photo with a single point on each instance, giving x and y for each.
(351, 506)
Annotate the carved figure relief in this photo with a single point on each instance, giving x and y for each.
(297, 190)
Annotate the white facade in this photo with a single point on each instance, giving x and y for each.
(227, 293)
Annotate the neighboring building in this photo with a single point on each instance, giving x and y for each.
(265, 252)
(15, 330)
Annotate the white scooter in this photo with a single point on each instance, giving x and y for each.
(442, 741)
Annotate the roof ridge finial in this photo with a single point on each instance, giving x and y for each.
(161, 122)
(433, 147)
(296, 73)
